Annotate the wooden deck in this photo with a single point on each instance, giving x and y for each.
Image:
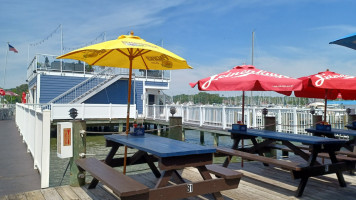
(258, 182)
(17, 173)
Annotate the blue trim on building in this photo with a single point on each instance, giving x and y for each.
(156, 84)
(52, 86)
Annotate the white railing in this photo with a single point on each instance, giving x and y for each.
(49, 64)
(291, 120)
(34, 126)
(92, 111)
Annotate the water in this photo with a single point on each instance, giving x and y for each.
(96, 145)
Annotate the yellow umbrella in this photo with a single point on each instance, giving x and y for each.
(128, 51)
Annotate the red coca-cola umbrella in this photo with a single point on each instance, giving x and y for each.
(248, 78)
(327, 85)
(10, 93)
(23, 99)
(2, 92)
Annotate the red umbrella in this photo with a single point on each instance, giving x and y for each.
(23, 97)
(2, 92)
(327, 85)
(248, 78)
(9, 93)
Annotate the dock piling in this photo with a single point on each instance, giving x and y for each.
(79, 147)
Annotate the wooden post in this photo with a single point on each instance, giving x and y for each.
(79, 146)
(316, 119)
(121, 127)
(175, 130)
(158, 129)
(202, 142)
(351, 118)
(216, 139)
(270, 125)
(155, 127)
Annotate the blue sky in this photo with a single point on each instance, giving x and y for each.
(291, 36)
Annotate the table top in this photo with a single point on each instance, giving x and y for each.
(333, 131)
(306, 139)
(160, 146)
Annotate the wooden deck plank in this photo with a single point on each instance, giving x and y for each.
(34, 195)
(276, 180)
(255, 173)
(51, 194)
(18, 196)
(17, 172)
(81, 193)
(4, 197)
(66, 192)
(258, 182)
(98, 193)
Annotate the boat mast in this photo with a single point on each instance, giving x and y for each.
(253, 38)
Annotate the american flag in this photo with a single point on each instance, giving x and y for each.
(11, 48)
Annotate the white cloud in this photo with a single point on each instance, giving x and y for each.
(338, 28)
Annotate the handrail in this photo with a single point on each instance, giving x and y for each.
(89, 91)
(81, 85)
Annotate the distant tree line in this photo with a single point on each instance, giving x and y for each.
(18, 90)
(206, 98)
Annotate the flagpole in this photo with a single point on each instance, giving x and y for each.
(61, 63)
(7, 52)
(253, 44)
(61, 40)
(28, 54)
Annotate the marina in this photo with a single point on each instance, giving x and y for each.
(252, 179)
(195, 115)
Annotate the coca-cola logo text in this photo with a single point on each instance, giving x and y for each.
(240, 74)
(323, 77)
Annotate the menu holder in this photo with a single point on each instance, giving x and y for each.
(239, 127)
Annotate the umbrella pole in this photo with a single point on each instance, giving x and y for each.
(128, 113)
(243, 107)
(243, 122)
(325, 104)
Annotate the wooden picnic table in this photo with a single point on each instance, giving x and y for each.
(350, 126)
(172, 155)
(349, 145)
(303, 171)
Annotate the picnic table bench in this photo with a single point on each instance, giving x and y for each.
(340, 155)
(171, 155)
(123, 186)
(317, 145)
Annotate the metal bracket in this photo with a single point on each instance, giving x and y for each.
(82, 133)
(82, 155)
(81, 175)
